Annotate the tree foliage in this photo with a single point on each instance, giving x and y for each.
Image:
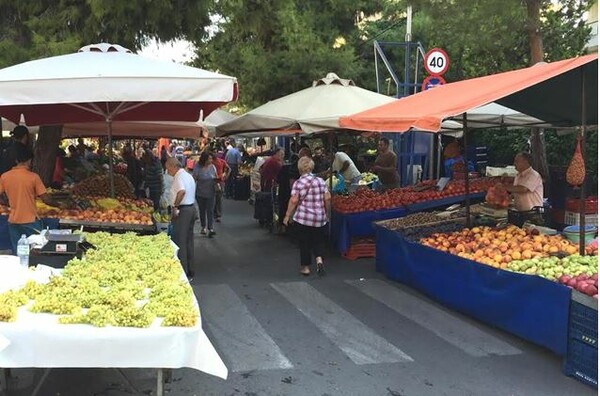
(39, 28)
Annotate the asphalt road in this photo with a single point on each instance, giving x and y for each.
(351, 332)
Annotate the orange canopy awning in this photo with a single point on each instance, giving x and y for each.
(542, 91)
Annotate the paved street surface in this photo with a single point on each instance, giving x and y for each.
(351, 332)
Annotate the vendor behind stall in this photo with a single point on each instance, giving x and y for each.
(528, 187)
(343, 163)
(453, 159)
(22, 187)
(385, 166)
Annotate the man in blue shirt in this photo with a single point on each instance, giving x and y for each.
(234, 160)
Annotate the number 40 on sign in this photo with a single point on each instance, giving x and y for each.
(436, 61)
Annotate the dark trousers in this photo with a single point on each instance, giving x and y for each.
(16, 230)
(183, 236)
(219, 203)
(206, 207)
(155, 197)
(312, 241)
(230, 183)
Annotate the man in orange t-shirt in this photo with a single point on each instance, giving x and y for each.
(22, 187)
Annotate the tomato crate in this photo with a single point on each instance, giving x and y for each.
(572, 218)
(581, 362)
(591, 205)
(362, 248)
(583, 319)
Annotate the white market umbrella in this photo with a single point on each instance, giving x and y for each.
(106, 83)
(136, 129)
(217, 118)
(314, 109)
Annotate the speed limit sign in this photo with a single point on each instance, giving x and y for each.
(436, 61)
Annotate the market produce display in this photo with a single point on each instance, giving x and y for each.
(101, 209)
(418, 219)
(499, 246)
(576, 169)
(99, 186)
(575, 271)
(367, 178)
(497, 197)
(367, 200)
(127, 281)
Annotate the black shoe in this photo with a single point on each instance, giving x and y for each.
(218, 219)
(211, 233)
(320, 269)
(190, 276)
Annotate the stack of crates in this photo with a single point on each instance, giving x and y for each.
(581, 361)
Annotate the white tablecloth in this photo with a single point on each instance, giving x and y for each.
(38, 340)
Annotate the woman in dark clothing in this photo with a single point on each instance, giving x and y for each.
(163, 156)
(134, 171)
(205, 175)
(153, 175)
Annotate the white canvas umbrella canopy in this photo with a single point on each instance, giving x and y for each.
(217, 118)
(314, 109)
(136, 129)
(107, 83)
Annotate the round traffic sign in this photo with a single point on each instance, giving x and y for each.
(432, 82)
(436, 61)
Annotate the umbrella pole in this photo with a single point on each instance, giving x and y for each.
(582, 192)
(111, 176)
(467, 184)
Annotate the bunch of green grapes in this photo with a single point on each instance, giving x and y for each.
(134, 317)
(136, 288)
(181, 317)
(10, 301)
(171, 296)
(32, 289)
(14, 297)
(8, 313)
(53, 304)
(100, 316)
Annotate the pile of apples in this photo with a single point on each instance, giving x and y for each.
(498, 247)
(364, 200)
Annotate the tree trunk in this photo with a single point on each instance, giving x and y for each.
(536, 50)
(45, 152)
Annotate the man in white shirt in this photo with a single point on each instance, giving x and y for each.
(343, 163)
(184, 214)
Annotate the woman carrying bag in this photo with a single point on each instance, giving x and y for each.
(309, 204)
(206, 178)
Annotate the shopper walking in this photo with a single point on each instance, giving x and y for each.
(22, 187)
(153, 179)
(183, 214)
(233, 157)
(223, 171)
(206, 178)
(309, 205)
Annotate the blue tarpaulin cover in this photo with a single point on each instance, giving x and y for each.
(528, 306)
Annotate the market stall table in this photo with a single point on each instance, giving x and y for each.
(39, 341)
(346, 226)
(528, 306)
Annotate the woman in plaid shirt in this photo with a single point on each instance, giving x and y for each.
(310, 200)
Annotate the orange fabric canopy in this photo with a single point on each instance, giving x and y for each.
(426, 110)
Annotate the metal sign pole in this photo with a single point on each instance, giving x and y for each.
(582, 192)
(467, 184)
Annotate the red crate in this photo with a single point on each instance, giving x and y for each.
(364, 248)
(591, 205)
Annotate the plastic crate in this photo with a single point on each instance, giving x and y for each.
(572, 218)
(360, 249)
(591, 205)
(583, 323)
(581, 362)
